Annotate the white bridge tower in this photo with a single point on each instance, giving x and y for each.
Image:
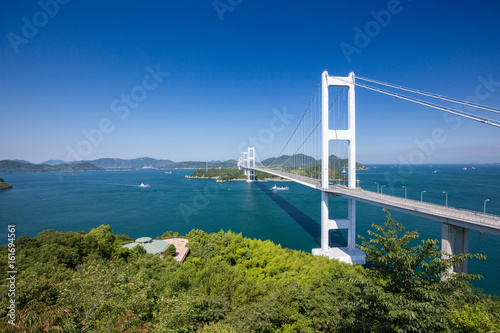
(248, 161)
(349, 254)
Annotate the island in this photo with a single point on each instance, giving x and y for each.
(298, 164)
(4, 185)
(10, 166)
(227, 174)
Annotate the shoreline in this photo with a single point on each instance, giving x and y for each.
(240, 179)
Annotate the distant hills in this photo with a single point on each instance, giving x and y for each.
(10, 166)
(301, 161)
(16, 166)
(138, 163)
(202, 165)
(51, 162)
(297, 161)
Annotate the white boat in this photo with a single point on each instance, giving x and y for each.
(168, 172)
(435, 171)
(464, 169)
(144, 185)
(279, 188)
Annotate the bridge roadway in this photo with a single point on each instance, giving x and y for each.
(458, 217)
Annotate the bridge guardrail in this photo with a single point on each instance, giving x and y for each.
(410, 204)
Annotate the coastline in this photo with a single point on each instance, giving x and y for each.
(241, 179)
(4, 185)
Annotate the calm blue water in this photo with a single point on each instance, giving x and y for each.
(82, 201)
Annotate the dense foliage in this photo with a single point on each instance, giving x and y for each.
(315, 172)
(227, 174)
(9, 166)
(4, 185)
(135, 163)
(301, 162)
(86, 282)
(200, 164)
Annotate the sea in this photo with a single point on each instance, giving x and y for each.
(81, 201)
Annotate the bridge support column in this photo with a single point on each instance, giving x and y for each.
(455, 240)
(325, 228)
(351, 236)
(349, 254)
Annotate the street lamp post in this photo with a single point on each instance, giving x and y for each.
(405, 190)
(484, 212)
(422, 196)
(381, 188)
(377, 186)
(446, 198)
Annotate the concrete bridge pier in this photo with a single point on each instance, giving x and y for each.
(455, 240)
(350, 254)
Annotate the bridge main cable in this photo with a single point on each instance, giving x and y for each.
(314, 129)
(483, 120)
(295, 130)
(444, 98)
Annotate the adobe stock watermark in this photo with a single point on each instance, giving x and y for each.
(426, 147)
(121, 106)
(223, 6)
(372, 29)
(201, 199)
(266, 135)
(11, 273)
(31, 26)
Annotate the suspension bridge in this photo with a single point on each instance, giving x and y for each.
(325, 126)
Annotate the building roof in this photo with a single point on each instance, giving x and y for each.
(143, 240)
(153, 246)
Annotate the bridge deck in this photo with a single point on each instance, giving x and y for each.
(460, 217)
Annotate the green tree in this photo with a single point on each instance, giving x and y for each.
(416, 276)
(411, 270)
(171, 250)
(105, 239)
(101, 293)
(169, 234)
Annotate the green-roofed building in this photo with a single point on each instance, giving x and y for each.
(153, 246)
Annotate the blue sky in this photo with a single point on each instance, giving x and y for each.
(220, 73)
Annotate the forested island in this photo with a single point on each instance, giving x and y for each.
(227, 174)
(302, 162)
(88, 282)
(4, 185)
(10, 166)
(235, 174)
(299, 162)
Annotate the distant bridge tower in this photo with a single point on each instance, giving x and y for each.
(349, 254)
(248, 161)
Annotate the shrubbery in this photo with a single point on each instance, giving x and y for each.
(89, 282)
(171, 250)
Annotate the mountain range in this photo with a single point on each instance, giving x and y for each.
(17, 166)
(106, 163)
(10, 166)
(297, 161)
(301, 161)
